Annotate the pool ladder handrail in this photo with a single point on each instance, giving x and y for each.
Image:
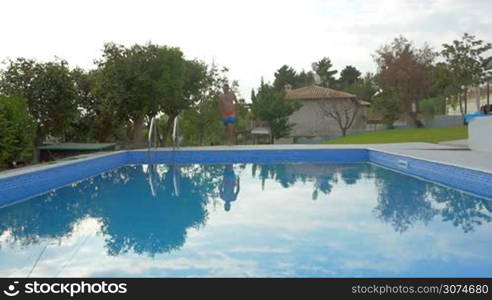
(153, 134)
(175, 135)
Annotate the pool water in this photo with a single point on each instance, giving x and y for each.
(248, 220)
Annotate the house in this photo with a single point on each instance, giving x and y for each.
(476, 97)
(322, 111)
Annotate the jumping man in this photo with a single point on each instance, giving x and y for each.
(227, 105)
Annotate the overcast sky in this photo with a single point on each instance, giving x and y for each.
(252, 38)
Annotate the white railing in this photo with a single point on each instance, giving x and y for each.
(153, 134)
(175, 133)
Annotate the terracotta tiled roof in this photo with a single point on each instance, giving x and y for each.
(314, 92)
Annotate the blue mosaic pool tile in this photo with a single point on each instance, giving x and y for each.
(245, 156)
(472, 181)
(26, 185)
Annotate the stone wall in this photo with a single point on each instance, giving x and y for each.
(311, 121)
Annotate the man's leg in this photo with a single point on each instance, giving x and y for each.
(230, 133)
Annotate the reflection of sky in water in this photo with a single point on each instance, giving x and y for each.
(284, 220)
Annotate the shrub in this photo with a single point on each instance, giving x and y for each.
(386, 104)
(432, 106)
(17, 131)
(269, 105)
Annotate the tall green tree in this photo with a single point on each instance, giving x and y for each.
(142, 81)
(17, 131)
(304, 79)
(283, 76)
(364, 88)
(98, 119)
(287, 75)
(348, 76)
(269, 105)
(324, 70)
(444, 90)
(466, 61)
(201, 124)
(407, 71)
(386, 105)
(49, 91)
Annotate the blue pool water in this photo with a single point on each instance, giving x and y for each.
(256, 220)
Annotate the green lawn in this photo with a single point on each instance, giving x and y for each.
(407, 135)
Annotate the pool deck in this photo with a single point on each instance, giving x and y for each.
(455, 155)
(443, 154)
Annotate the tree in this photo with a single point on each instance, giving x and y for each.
(364, 88)
(287, 75)
(304, 79)
(434, 106)
(465, 61)
(142, 81)
(49, 91)
(201, 124)
(323, 69)
(386, 105)
(81, 126)
(407, 71)
(344, 112)
(17, 131)
(97, 119)
(349, 76)
(444, 90)
(269, 105)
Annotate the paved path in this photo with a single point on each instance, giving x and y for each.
(456, 143)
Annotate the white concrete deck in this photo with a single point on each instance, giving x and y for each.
(439, 153)
(456, 143)
(443, 154)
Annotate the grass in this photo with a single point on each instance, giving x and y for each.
(405, 135)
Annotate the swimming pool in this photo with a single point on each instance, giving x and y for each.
(251, 214)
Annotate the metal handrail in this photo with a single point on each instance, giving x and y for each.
(152, 133)
(175, 133)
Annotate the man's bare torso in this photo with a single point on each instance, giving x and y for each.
(227, 102)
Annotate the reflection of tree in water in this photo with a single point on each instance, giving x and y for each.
(461, 209)
(30, 221)
(276, 172)
(134, 220)
(131, 218)
(404, 201)
(53, 215)
(323, 176)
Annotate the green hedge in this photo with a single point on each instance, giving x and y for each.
(17, 132)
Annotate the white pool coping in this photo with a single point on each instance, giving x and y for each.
(437, 153)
